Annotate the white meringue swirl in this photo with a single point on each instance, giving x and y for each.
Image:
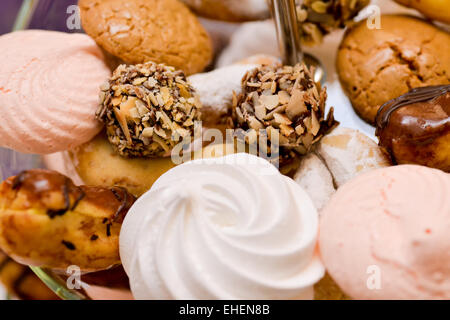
(223, 228)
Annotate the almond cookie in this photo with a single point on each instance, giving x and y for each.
(377, 65)
(148, 30)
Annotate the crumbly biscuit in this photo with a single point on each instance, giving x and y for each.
(139, 31)
(215, 90)
(377, 65)
(314, 176)
(348, 153)
(96, 163)
(340, 156)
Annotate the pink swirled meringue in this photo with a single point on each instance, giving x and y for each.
(49, 88)
(385, 234)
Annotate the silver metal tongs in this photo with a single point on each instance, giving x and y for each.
(284, 14)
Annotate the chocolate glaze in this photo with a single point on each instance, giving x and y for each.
(407, 126)
(422, 94)
(121, 194)
(69, 245)
(94, 237)
(38, 183)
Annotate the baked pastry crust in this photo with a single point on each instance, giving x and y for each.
(230, 10)
(375, 66)
(139, 31)
(434, 9)
(47, 221)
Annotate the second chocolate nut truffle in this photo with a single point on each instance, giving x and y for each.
(138, 31)
(318, 18)
(284, 100)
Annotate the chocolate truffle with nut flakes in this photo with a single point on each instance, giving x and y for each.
(148, 109)
(319, 17)
(283, 99)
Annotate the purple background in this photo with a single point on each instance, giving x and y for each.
(8, 12)
(49, 14)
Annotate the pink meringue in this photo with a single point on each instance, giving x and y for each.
(386, 234)
(49, 88)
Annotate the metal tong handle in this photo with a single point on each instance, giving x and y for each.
(285, 15)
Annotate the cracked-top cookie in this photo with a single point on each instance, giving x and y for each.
(139, 31)
(377, 65)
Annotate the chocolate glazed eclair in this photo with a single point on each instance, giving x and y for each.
(415, 127)
(47, 221)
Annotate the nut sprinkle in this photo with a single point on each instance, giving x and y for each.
(319, 17)
(148, 109)
(283, 99)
